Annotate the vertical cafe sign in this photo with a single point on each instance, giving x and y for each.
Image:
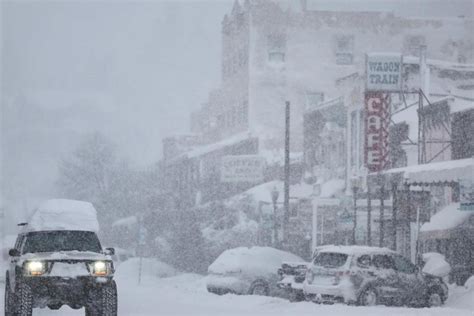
(377, 118)
(383, 76)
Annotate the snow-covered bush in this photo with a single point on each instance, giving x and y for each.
(435, 264)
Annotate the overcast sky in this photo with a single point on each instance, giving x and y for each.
(134, 70)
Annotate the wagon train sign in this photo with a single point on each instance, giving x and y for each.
(377, 119)
(384, 72)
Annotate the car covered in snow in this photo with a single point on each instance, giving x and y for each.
(292, 275)
(58, 260)
(370, 276)
(248, 271)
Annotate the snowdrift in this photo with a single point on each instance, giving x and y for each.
(61, 214)
(150, 268)
(251, 261)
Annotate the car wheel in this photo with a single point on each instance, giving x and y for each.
(434, 299)
(260, 288)
(9, 302)
(105, 303)
(24, 303)
(369, 297)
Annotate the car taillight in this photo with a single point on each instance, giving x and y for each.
(309, 276)
(339, 275)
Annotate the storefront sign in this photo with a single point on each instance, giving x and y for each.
(377, 118)
(384, 72)
(243, 168)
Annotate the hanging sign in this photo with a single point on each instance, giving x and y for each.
(384, 72)
(377, 119)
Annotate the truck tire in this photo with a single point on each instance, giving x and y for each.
(9, 303)
(105, 303)
(24, 303)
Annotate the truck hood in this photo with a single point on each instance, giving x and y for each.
(65, 255)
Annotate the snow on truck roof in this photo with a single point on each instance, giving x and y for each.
(62, 214)
(354, 250)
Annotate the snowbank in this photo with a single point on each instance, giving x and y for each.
(332, 187)
(252, 261)
(61, 214)
(462, 296)
(435, 264)
(150, 268)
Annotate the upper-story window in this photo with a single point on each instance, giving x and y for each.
(344, 49)
(314, 98)
(412, 44)
(276, 44)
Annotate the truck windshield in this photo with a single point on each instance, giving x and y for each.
(53, 241)
(330, 260)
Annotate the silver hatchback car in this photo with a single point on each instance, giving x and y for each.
(370, 276)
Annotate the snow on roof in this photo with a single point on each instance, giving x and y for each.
(126, 221)
(202, 150)
(262, 192)
(441, 64)
(332, 187)
(254, 260)
(62, 214)
(444, 171)
(354, 250)
(449, 217)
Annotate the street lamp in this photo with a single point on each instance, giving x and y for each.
(355, 183)
(275, 193)
(315, 195)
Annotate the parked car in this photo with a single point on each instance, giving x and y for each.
(58, 260)
(370, 276)
(248, 271)
(292, 275)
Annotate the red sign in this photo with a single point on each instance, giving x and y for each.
(377, 119)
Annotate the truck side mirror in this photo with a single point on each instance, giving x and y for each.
(109, 251)
(13, 252)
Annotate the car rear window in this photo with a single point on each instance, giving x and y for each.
(330, 259)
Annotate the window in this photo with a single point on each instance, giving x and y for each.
(412, 44)
(403, 265)
(276, 57)
(276, 44)
(330, 260)
(383, 262)
(313, 99)
(344, 49)
(364, 261)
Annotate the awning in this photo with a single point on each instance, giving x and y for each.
(444, 223)
(435, 172)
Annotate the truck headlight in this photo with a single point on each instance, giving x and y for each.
(35, 268)
(100, 268)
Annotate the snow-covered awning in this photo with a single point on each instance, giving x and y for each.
(206, 149)
(441, 223)
(436, 172)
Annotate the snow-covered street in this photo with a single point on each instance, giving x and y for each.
(185, 294)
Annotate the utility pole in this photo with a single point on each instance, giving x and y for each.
(382, 206)
(287, 175)
(354, 228)
(369, 215)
